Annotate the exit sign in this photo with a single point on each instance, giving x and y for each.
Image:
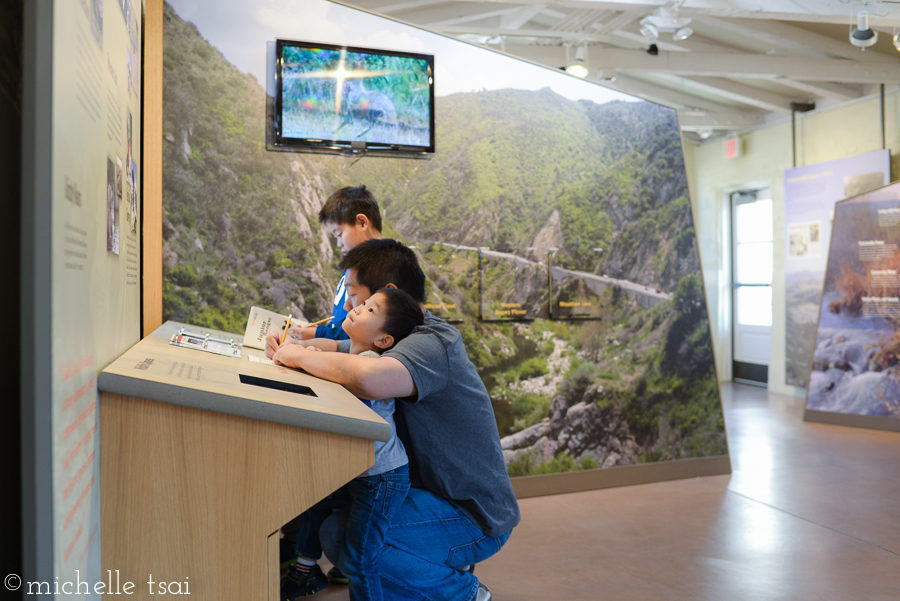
(732, 148)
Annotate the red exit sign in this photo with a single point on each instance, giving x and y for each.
(732, 148)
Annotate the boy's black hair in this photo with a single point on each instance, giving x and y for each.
(379, 262)
(344, 205)
(401, 314)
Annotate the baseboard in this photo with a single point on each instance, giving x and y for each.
(871, 422)
(628, 475)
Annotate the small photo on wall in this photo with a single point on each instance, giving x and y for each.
(118, 177)
(132, 176)
(134, 34)
(129, 70)
(112, 208)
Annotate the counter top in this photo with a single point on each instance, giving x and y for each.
(157, 370)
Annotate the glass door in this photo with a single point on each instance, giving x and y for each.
(751, 217)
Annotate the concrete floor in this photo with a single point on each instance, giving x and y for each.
(810, 512)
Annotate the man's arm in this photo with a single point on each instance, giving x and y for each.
(366, 377)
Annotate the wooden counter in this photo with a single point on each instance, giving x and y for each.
(199, 470)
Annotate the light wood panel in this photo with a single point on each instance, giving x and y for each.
(151, 168)
(194, 496)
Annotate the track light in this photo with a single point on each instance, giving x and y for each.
(665, 19)
(863, 36)
(682, 34)
(578, 67)
(649, 30)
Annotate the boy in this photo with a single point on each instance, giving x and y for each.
(351, 215)
(374, 326)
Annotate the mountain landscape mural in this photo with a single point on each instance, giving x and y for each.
(521, 179)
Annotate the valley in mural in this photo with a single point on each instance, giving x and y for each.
(523, 179)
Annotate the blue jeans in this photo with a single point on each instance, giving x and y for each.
(429, 537)
(369, 503)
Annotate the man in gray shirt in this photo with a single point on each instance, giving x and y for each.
(462, 508)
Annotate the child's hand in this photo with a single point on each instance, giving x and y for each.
(291, 355)
(273, 342)
(302, 332)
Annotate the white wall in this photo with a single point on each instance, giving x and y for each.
(824, 135)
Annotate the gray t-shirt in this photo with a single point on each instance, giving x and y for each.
(388, 455)
(450, 430)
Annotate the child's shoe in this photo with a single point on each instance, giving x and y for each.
(297, 584)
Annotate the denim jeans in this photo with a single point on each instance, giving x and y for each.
(429, 537)
(369, 503)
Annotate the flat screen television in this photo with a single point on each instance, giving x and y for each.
(352, 100)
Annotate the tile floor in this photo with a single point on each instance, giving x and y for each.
(810, 512)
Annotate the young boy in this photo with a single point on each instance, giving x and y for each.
(374, 326)
(351, 215)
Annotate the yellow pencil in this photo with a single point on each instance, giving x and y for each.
(287, 327)
(318, 323)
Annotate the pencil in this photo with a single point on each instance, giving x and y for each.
(318, 323)
(287, 327)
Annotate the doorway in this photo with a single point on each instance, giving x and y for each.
(751, 283)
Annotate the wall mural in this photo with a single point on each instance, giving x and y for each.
(553, 223)
(855, 365)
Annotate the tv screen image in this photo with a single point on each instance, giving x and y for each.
(353, 98)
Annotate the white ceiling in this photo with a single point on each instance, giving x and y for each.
(745, 64)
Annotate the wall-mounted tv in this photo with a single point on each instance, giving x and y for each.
(353, 100)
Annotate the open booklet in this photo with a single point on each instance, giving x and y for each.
(261, 322)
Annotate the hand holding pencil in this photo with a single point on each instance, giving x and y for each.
(308, 331)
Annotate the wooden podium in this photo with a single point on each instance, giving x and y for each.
(199, 469)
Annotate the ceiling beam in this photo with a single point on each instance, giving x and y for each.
(405, 6)
(698, 123)
(762, 99)
(811, 11)
(834, 91)
(747, 65)
(780, 35)
(699, 107)
(527, 33)
(520, 16)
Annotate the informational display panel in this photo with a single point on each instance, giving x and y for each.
(455, 279)
(95, 246)
(512, 287)
(809, 196)
(856, 364)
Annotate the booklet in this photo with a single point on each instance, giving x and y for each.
(261, 322)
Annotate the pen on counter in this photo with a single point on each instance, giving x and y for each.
(318, 323)
(287, 327)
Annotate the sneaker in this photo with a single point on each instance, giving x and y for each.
(287, 564)
(469, 567)
(482, 594)
(335, 576)
(296, 584)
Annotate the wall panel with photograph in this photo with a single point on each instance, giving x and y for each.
(856, 362)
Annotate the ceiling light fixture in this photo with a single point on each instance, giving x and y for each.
(649, 30)
(578, 67)
(862, 36)
(682, 34)
(666, 20)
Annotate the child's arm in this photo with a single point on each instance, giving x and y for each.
(273, 343)
(366, 377)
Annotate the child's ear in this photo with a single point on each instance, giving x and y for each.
(362, 221)
(384, 341)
